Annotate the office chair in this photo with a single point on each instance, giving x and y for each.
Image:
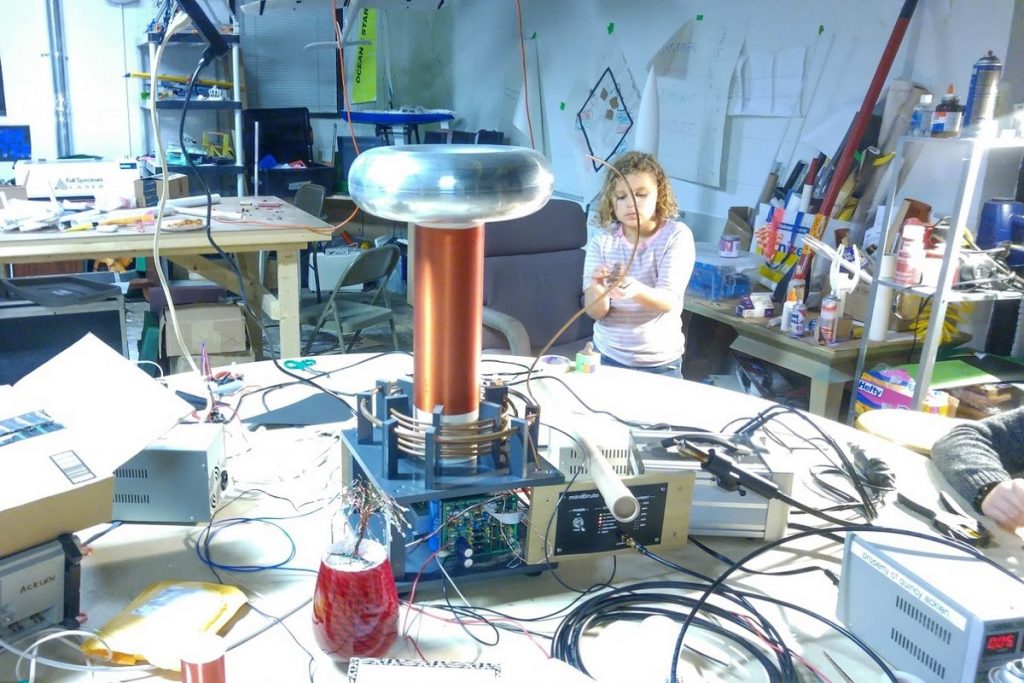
(310, 198)
(348, 317)
(533, 281)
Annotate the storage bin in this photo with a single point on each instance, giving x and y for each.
(284, 182)
(287, 135)
(717, 277)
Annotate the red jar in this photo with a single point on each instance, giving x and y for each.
(355, 606)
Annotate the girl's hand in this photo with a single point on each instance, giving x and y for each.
(599, 274)
(599, 278)
(627, 289)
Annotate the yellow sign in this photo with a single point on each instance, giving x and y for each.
(364, 88)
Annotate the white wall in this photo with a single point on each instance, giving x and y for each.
(101, 43)
(466, 57)
(474, 67)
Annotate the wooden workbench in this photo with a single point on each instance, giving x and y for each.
(829, 367)
(283, 229)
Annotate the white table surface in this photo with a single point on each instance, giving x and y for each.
(302, 465)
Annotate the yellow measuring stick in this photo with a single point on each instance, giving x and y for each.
(179, 79)
(81, 227)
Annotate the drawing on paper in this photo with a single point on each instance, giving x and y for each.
(604, 119)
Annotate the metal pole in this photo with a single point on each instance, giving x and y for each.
(58, 67)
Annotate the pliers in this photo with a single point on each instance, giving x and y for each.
(951, 521)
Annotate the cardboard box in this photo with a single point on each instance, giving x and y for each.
(738, 223)
(67, 426)
(220, 326)
(78, 178)
(858, 302)
(147, 190)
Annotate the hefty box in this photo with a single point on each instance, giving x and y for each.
(220, 327)
(64, 428)
(68, 178)
(885, 387)
(147, 190)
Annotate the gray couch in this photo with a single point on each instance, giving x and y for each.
(533, 273)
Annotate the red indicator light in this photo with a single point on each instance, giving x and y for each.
(1000, 642)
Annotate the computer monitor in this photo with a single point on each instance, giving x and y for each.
(15, 143)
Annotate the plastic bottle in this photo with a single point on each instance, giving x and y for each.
(787, 311)
(911, 254)
(921, 117)
(948, 116)
(588, 360)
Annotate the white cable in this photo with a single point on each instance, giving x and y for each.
(176, 24)
(60, 635)
(149, 362)
(440, 565)
(68, 666)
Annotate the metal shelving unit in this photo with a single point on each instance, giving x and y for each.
(234, 105)
(975, 157)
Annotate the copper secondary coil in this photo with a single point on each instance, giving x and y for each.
(448, 275)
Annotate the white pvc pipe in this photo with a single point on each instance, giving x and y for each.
(193, 201)
(620, 501)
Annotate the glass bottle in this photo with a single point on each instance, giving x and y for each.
(355, 603)
(948, 116)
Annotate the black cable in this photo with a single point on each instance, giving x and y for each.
(920, 311)
(299, 379)
(785, 662)
(628, 423)
(465, 627)
(103, 532)
(774, 412)
(258, 319)
(634, 603)
(832, 576)
(716, 585)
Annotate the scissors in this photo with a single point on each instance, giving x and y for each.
(299, 364)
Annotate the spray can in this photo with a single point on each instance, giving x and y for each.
(981, 96)
(828, 319)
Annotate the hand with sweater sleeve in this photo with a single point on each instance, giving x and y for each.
(981, 459)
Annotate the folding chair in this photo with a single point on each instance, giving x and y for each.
(348, 317)
(310, 198)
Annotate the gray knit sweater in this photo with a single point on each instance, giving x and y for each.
(982, 453)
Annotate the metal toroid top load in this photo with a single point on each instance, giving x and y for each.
(449, 192)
